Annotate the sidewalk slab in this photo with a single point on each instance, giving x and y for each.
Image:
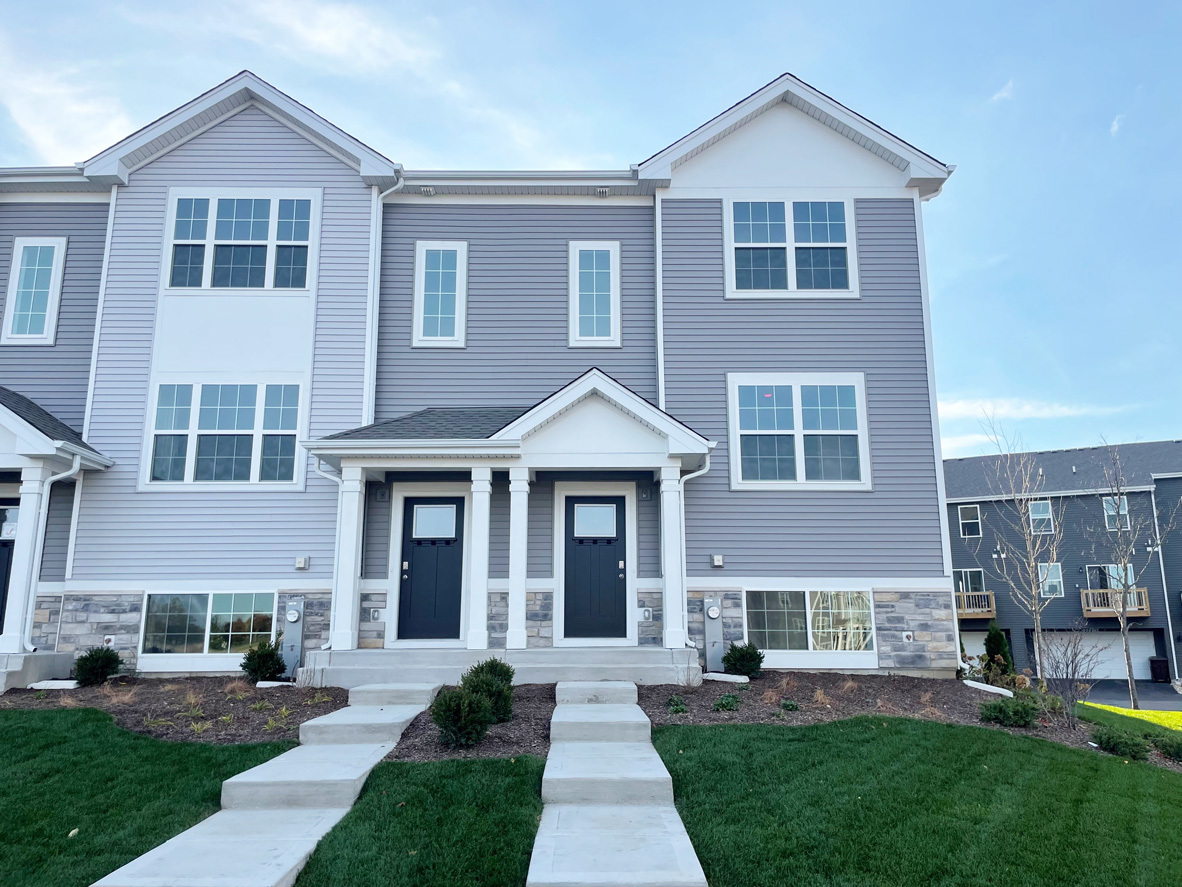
(605, 773)
(359, 724)
(606, 722)
(394, 694)
(595, 692)
(310, 776)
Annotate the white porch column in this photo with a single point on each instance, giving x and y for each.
(478, 581)
(346, 573)
(23, 577)
(673, 603)
(518, 555)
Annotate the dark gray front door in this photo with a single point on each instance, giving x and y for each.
(595, 602)
(432, 568)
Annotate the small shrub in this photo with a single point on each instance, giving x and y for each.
(819, 697)
(1121, 743)
(497, 692)
(497, 669)
(318, 698)
(226, 719)
(264, 661)
(676, 705)
(261, 705)
(1170, 746)
(200, 727)
(96, 665)
(744, 659)
(997, 650)
(274, 724)
(727, 702)
(1010, 712)
(770, 696)
(461, 716)
(789, 705)
(40, 694)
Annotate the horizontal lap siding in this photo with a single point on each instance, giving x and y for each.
(517, 351)
(125, 534)
(56, 376)
(892, 531)
(57, 532)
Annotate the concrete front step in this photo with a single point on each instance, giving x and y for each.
(232, 848)
(599, 722)
(310, 776)
(613, 846)
(394, 694)
(598, 692)
(359, 724)
(605, 773)
(350, 676)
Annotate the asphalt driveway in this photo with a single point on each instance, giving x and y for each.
(1155, 697)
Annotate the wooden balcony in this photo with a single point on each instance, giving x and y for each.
(1102, 603)
(975, 605)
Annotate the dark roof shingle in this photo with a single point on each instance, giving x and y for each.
(43, 420)
(438, 423)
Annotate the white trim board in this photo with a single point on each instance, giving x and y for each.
(48, 335)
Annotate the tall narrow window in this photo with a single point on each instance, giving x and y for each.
(225, 457)
(831, 452)
(970, 521)
(291, 251)
(188, 242)
(169, 451)
(1042, 519)
(281, 408)
(34, 291)
(1116, 516)
(594, 293)
(824, 265)
(440, 294)
(1050, 580)
(767, 446)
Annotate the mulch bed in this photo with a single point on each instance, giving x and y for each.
(195, 709)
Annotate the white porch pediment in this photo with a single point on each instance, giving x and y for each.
(22, 445)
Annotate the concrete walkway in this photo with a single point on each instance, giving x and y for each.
(609, 817)
(274, 815)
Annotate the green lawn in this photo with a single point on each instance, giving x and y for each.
(438, 824)
(884, 801)
(74, 769)
(1134, 720)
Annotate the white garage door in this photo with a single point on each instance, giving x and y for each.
(973, 643)
(1111, 659)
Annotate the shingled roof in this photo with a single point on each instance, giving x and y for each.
(1068, 470)
(44, 421)
(438, 423)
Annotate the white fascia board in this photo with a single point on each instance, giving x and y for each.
(420, 447)
(1042, 494)
(592, 177)
(33, 443)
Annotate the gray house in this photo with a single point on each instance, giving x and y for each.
(254, 371)
(1075, 587)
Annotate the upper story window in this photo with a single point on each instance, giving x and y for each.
(969, 581)
(970, 521)
(802, 430)
(1042, 519)
(1110, 576)
(1050, 580)
(440, 294)
(783, 248)
(1116, 517)
(214, 433)
(242, 242)
(34, 291)
(594, 294)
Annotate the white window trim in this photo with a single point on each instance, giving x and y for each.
(858, 380)
(1122, 510)
(958, 574)
(1115, 569)
(213, 195)
(7, 337)
(960, 520)
(574, 339)
(1044, 577)
(1050, 512)
(815, 658)
(854, 290)
(146, 484)
(199, 662)
(459, 340)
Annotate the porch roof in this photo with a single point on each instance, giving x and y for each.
(438, 423)
(39, 433)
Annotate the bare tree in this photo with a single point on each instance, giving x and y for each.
(1127, 541)
(1070, 662)
(1028, 531)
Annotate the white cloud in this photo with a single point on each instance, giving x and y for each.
(60, 115)
(953, 445)
(1006, 92)
(1115, 126)
(1020, 408)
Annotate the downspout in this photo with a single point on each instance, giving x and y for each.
(38, 548)
(336, 546)
(684, 559)
(1165, 588)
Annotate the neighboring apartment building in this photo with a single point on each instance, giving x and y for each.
(249, 361)
(1074, 483)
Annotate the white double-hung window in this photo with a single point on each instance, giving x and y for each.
(217, 434)
(242, 241)
(780, 248)
(806, 430)
(440, 294)
(594, 294)
(34, 291)
(1116, 513)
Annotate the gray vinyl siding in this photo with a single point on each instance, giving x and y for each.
(1083, 535)
(893, 530)
(376, 539)
(1169, 503)
(517, 352)
(204, 533)
(56, 376)
(57, 532)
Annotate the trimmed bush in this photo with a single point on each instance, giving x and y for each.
(497, 669)
(789, 705)
(1121, 743)
(264, 661)
(96, 665)
(1170, 746)
(727, 702)
(744, 659)
(676, 705)
(998, 660)
(1010, 712)
(462, 716)
(498, 693)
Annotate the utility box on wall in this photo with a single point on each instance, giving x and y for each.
(292, 625)
(715, 646)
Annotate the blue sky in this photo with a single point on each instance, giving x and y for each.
(1054, 253)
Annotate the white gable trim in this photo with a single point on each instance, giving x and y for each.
(33, 444)
(925, 172)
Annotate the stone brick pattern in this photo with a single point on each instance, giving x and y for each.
(649, 632)
(371, 633)
(929, 617)
(317, 607)
(86, 619)
(498, 619)
(539, 618)
(732, 619)
(47, 617)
